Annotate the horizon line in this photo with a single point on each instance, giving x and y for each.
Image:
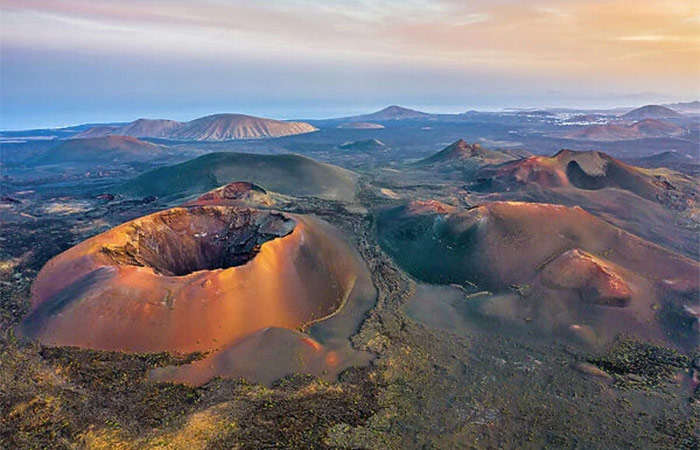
(447, 110)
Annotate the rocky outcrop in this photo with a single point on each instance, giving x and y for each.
(593, 279)
(236, 193)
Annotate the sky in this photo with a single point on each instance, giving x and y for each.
(65, 62)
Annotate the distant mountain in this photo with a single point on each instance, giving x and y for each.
(60, 133)
(460, 152)
(646, 128)
(536, 113)
(105, 149)
(607, 132)
(153, 128)
(392, 112)
(365, 145)
(141, 128)
(218, 127)
(685, 107)
(670, 159)
(287, 174)
(361, 126)
(585, 118)
(651, 112)
(225, 127)
(95, 132)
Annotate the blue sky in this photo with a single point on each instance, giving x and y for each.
(72, 61)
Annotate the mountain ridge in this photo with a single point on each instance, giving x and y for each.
(215, 127)
(392, 112)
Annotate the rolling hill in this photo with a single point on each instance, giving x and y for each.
(461, 152)
(670, 159)
(645, 128)
(287, 174)
(118, 149)
(651, 112)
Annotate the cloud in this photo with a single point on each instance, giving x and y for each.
(659, 38)
(547, 35)
(337, 48)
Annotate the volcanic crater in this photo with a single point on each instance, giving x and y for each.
(200, 278)
(185, 241)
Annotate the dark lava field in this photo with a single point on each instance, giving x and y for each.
(390, 281)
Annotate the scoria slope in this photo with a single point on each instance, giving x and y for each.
(646, 202)
(566, 262)
(589, 170)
